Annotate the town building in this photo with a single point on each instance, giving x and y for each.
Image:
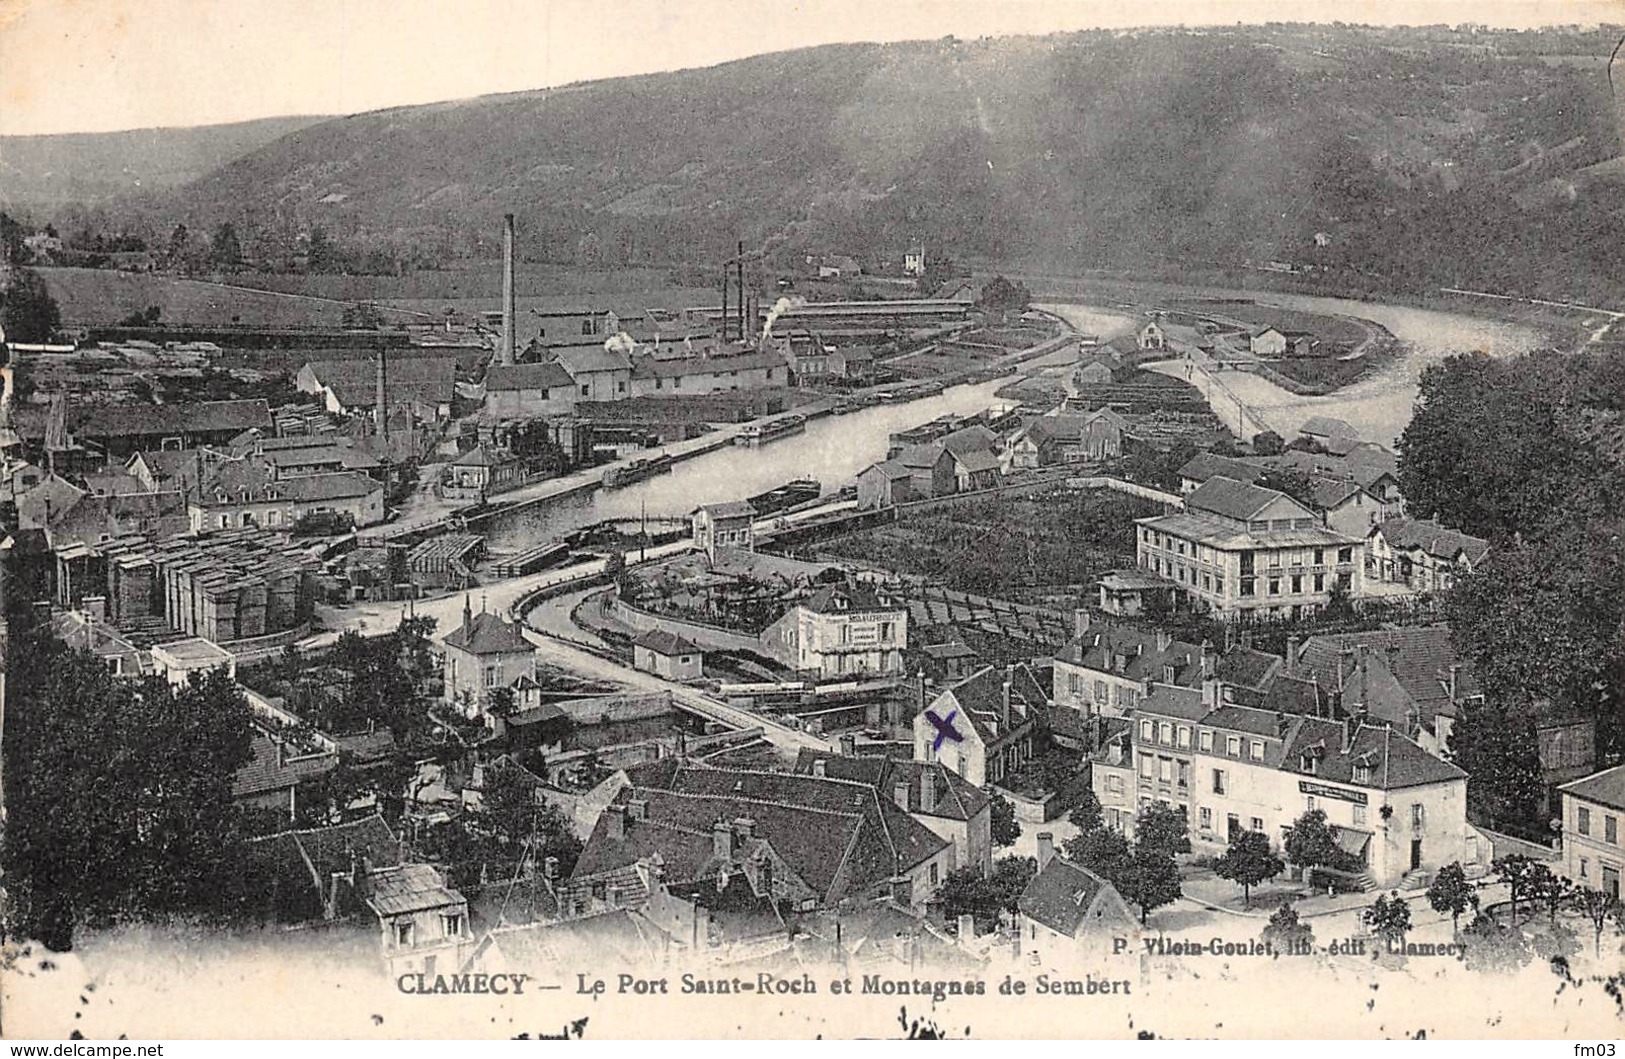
(1126, 593)
(1152, 336)
(932, 470)
(1239, 548)
(1397, 810)
(529, 391)
(120, 430)
(1593, 809)
(248, 492)
(931, 793)
(741, 838)
(424, 922)
(729, 524)
(1327, 430)
(885, 484)
(1409, 678)
(282, 759)
(1106, 669)
(483, 654)
(1067, 913)
(178, 660)
(983, 727)
(842, 630)
(425, 385)
(1421, 554)
(480, 472)
(666, 654)
(88, 630)
(1067, 438)
(598, 372)
(684, 376)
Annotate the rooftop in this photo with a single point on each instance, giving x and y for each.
(1605, 788)
(488, 634)
(1428, 536)
(664, 643)
(406, 888)
(1060, 894)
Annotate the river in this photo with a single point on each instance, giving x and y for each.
(1378, 406)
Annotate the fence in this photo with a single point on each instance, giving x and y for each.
(1131, 488)
(710, 637)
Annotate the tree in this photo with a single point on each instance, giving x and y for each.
(1268, 443)
(1498, 749)
(179, 246)
(1389, 918)
(1309, 843)
(28, 313)
(1517, 873)
(1002, 296)
(1549, 888)
(1164, 828)
(1150, 879)
(1006, 828)
(1292, 481)
(1248, 862)
(513, 826)
(119, 793)
(1596, 906)
(225, 252)
(939, 269)
(1086, 816)
(13, 250)
(965, 891)
(1103, 851)
(1286, 931)
(1489, 946)
(1451, 892)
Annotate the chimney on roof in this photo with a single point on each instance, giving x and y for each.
(637, 808)
(928, 789)
(1292, 655)
(615, 826)
(509, 324)
(1046, 849)
(1210, 660)
(849, 745)
(1345, 657)
(1080, 622)
(722, 840)
(899, 794)
(745, 828)
(1282, 723)
(1165, 639)
(1004, 712)
(818, 768)
(1351, 726)
(1455, 671)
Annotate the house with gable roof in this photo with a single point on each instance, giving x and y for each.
(1106, 668)
(485, 653)
(1422, 554)
(983, 727)
(1067, 911)
(1593, 851)
(1239, 548)
(842, 630)
(737, 838)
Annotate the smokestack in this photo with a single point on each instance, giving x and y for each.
(508, 322)
(739, 266)
(381, 409)
(723, 333)
(1046, 848)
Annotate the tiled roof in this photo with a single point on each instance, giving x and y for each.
(1205, 465)
(1145, 656)
(729, 509)
(1328, 493)
(1247, 667)
(890, 469)
(665, 643)
(921, 456)
(265, 773)
(407, 888)
(338, 485)
(428, 380)
(337, 848)
(1210, 530)
(970, 439)
(976, 461)
(851, 598)
(1166, 700)
(620, 938)
(676, 367)
(489, 634)
(956, 797)
(1326, 426)
(580, 360)
(1606, 787)
(478, 456)
(545, 376)
(1418, 658)
(1407, 534)
(980, 698)
(1395, 761)
(1060, 894)
(1228, 497)
(129, 420)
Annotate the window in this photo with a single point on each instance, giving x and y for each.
(1258, 750)
(1320, 582)
(1165, 770)
(620, 387)
(1165, 734)
(1610, 830)
(1184, 737)
(403, 932)
(1362, 773)
(585, 390)
(1232, 825)
(1258, 823)
(1204, 818)
(586, 327)
(1345, 555)
(1218, 583)
(225, 521)
(1114, 784)
(451, 924)
(1100, 696)
(933, 873)
(1183, 778)
(1416, 814)
(1583, 821)
(1246, 586)
(1297, 584)
(886, 629)
(1232, 745)
(1147, 729)
(1218, 781)
(1205, 740)
(1148, 766)
(1275, 586)
(1320, 556)
(1359, 816)
(1585, 868)
(273, 517)
(1309, 803)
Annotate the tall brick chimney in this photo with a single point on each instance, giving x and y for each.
(508, 322)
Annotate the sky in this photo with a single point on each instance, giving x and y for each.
(102, 65)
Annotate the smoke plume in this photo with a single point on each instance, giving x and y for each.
(780, 307)
(620, 342)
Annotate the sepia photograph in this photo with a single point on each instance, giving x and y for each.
(801, 519)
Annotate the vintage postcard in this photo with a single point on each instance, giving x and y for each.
(731, 519)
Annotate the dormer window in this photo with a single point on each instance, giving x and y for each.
(1309, 764)
(1362, 773)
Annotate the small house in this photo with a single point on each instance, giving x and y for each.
(668, 655)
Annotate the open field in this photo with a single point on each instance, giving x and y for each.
(102, 296)
(1016, 549)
